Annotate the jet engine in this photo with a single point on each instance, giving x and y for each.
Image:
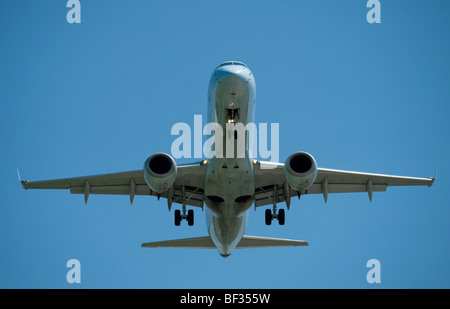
(160, 171)
(300, 170)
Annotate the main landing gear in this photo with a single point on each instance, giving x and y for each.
(274, 215)
(189, 217)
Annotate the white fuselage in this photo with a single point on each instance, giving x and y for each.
(229, 183)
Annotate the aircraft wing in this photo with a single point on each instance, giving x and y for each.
(270, 183)
(188, 185)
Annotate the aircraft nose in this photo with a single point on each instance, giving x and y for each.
(231, 69)
(235, 71)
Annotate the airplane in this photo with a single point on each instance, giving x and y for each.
(229, 186)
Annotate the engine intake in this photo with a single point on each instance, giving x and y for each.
(160, 171)
(300, 170)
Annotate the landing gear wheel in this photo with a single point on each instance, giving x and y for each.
(177, 217)
(281, 216)
(269, 217)
(190, 217)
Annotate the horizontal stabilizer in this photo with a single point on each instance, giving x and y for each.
(207, 243)
(197, 242)
(263, 242)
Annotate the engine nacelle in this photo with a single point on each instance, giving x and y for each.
(300, 170)
(160, 171)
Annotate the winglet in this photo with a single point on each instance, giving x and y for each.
(433, 178)
(23, 182)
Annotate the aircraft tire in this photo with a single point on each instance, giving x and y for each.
(177, 217)
(281, 216)
(268, 217)
(190, 217)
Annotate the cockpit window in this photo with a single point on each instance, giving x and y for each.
(239, 63)
(231, 63)
(224, 64)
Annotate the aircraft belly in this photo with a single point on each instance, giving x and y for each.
(227, 215)
(226, 232)
(229, 190)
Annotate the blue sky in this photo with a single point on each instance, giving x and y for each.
(101, 96)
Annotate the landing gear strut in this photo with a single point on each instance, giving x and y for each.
(189, 217)
(274, 215)
(271, 214)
